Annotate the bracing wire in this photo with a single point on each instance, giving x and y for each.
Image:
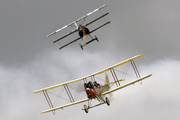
(58, 96)
(58, 38)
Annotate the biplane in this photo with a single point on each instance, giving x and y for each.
(84, 32)
(94, 90)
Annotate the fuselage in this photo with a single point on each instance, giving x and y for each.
(83, 31)
(93, 91)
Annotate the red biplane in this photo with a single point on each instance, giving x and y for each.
(92, 89)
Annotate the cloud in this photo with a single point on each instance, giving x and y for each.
(29, 62)
(158, 97)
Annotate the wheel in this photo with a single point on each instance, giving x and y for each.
(81, 46)
(85, 108)
(107, 101)
(96, 38)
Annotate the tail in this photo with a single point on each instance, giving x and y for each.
(86, 39)
(106, 82)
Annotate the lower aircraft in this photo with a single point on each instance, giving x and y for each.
(94, 90)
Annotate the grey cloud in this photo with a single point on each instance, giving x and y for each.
(29, 61)
(154, 99)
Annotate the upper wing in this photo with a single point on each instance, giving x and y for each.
(99, 72)
(63, 106)
(86, 25)
(107, 92)
(120, 87)
(77, 20)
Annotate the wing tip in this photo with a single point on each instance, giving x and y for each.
(37, 91)
(42, 112)
(51, 34)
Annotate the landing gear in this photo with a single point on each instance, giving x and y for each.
(81, 46)
(85, 108)
(107, 101)
(96, 38)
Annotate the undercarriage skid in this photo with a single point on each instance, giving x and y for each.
(86, 108)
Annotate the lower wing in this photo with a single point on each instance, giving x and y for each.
(80, 37)
(120, 87)
(63, 106)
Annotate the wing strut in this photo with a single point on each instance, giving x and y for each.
(135, 69)
(69, 93)
(115, 77)
(93, 78)
(49, 101)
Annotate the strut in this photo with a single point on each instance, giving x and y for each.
(115, 77)
(69, 93)
(135, 69)
(49, 101)
(93, 78)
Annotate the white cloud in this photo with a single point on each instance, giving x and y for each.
(157, 98)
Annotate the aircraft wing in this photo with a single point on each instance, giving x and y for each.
(63, 106)
(85, 25)
(79, 37)
(107, 92)
(99, 72)
(130, 83)
(77, 20)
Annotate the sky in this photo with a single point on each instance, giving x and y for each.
(30, 61)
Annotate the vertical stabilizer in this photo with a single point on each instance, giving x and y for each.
(106, 82)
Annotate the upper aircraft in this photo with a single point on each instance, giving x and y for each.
(90, 85)
(83, 31)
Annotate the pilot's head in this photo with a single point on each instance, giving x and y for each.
(80, 27)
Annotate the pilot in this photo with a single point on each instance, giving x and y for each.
(96, 84)
(85, 85)
(83, 30)
(89, 85)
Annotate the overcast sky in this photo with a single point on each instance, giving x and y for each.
(30, 61)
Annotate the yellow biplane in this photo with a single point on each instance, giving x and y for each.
(94, 90)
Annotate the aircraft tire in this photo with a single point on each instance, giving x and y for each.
(85, 108)
(107, 101)
(96, 38)
(81, 46)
